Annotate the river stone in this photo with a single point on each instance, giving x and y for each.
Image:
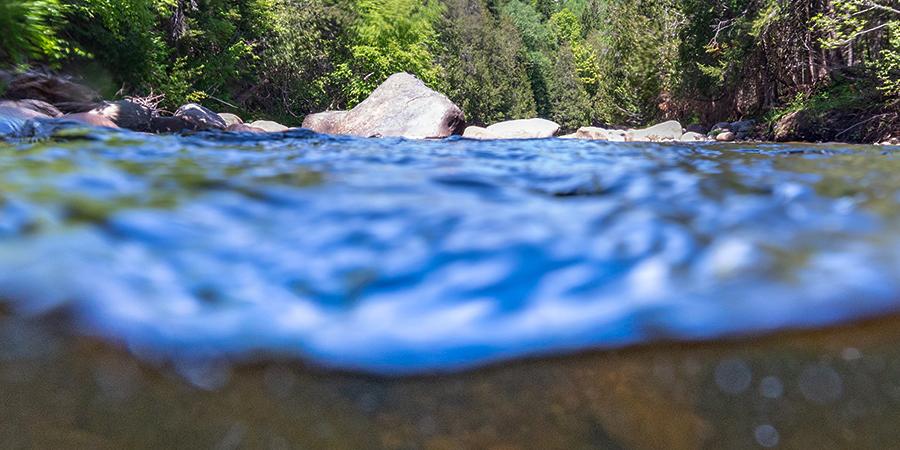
(168, 124)
(200, 118)
(126, 114)
(474, 132)
(727, 136)
(524, 129)
(230, 119)
(324, 122)
(721, 126)
(269, 126)
(691, 136)
(243, 128)
(743, 126)
(402, 106)
(592, 133)
(13, 118)
(92, 119)
(38, 106)
(56, 90)
(666, 131)
(696, 128)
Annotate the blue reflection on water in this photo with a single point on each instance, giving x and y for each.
(396, 256)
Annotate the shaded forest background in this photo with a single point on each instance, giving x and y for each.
(577, 62)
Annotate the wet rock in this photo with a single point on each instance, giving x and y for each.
(666, 131)
(743, 126)
(13, 118)
(692, 136)
(56, 90)
(33, 105)
(798, 126)
(126, 114)
(402, 106)
(474, 132)
(243, 128)
(230, 119)
(200, 118)
(697, 128)
(269, 126)
(721, 126)
(324, 122)
(168, 124)
(524, 129)
(727, 136)
(92, 119)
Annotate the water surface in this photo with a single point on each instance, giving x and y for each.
(405, 257)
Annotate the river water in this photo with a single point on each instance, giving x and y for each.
(391, 257)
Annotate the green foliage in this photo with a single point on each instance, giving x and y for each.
(484, 63)
(391, 36)
(617, 62)
(29, 31)
(568, 99)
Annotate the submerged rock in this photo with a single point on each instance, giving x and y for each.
(402, 106)
(666, 131)
(200, 118)
(524, 129)
(126, 114)
(269, 126)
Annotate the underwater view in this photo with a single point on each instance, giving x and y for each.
(298, 290)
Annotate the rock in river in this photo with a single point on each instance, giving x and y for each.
(666, 131)
(126, 114)
(14, 115)
(324, 122)
(524, 129)
(200, 118)
(231, 119)
(268, 126)
(402, 106)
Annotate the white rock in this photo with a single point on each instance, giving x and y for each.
(524, 129)
(690, 136)
(666, 131)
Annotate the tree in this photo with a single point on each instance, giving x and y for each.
(570, 106)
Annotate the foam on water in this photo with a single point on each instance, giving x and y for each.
(395, 256)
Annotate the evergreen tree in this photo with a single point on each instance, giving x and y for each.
(569, 103)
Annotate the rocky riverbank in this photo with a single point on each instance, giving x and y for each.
(402, 106)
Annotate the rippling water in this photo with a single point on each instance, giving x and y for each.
(395, 256)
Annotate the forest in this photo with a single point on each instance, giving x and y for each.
(577, 62)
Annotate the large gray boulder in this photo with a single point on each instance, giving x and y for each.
(200, 118)
(666, 131)
(403, 107)
(524, 129)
